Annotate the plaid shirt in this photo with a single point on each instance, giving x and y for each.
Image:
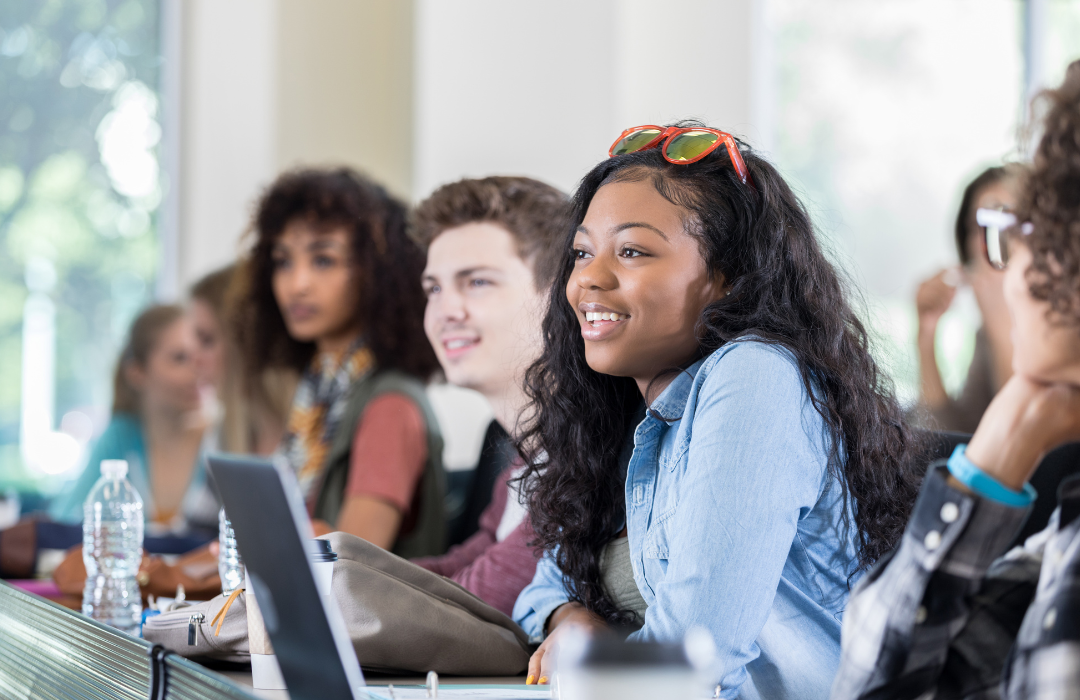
(946, 616)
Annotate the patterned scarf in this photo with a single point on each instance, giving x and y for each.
(320, 401)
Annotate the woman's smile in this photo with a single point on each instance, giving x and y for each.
(599, 322)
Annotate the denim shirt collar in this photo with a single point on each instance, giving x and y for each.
(671, 403)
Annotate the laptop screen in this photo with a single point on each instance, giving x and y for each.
(263, 503)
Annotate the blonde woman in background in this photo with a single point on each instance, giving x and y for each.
(250, 415)
(156, 425)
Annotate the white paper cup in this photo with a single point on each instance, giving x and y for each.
(322, 559)
(265, 671)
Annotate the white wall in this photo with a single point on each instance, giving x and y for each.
(423, 93)
(229, 127)
(663, 76)
(542, 89)
(345, 87)
(511, 88)
(269, 85)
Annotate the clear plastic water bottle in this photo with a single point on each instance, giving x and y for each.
(113, 549)
(230, 566)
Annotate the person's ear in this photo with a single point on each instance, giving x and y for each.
(719, 287)
(135, 374)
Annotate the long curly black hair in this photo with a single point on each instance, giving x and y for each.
(783, 290)
(389, 264)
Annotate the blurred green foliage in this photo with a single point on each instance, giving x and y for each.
(79, 188)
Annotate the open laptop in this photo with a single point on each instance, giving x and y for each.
(313, 649)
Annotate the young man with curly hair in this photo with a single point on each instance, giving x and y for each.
(492, 245)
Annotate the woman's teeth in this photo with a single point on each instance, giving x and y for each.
(591, 316)
(458, 344)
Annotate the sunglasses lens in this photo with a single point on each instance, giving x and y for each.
(690, 145)
(635, 141)
(997, 247)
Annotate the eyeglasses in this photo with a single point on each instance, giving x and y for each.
(680, 145)
(1001, 232)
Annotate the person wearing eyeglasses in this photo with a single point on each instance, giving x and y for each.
(991, 365)
(711, 443)
(949, 616)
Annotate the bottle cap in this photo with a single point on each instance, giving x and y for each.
(320, 550)
(114, 468)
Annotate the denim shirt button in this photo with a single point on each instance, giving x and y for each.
(949, 512)
(932, 540)
(1050, 619)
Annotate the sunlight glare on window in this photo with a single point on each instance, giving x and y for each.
(127, 138)
(882, 119)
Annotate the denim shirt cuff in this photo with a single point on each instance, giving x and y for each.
(959, 532)
(536, 622)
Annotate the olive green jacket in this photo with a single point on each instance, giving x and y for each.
(428, 537)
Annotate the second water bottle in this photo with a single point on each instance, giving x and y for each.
(230, 565)
(113, 548)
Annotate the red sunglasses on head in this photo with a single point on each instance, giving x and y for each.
(681, 145)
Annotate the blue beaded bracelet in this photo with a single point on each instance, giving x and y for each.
(968, 473)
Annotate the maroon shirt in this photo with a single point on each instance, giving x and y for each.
(496, 572)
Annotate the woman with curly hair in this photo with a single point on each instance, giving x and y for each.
(333, 291)
(943, 619)
(712, 444)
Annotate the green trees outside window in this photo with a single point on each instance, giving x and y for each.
(80, 185)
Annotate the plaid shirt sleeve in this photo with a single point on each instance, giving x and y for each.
(934, 620)
(1045, 661)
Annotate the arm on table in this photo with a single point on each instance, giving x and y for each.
(540, 599)
(907, 614)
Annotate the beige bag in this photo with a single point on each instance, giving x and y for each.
(405, 618)
(400, 617)
(198, 631)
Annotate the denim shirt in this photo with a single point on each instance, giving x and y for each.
(735, 525)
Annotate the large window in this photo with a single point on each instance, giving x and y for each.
(884, 111)
(80, 186)
(1056, 39)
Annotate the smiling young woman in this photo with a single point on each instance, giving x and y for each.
(711, 443)
(333, 291)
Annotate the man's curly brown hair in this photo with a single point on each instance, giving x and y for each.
(1051, 202)
(389, 264)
